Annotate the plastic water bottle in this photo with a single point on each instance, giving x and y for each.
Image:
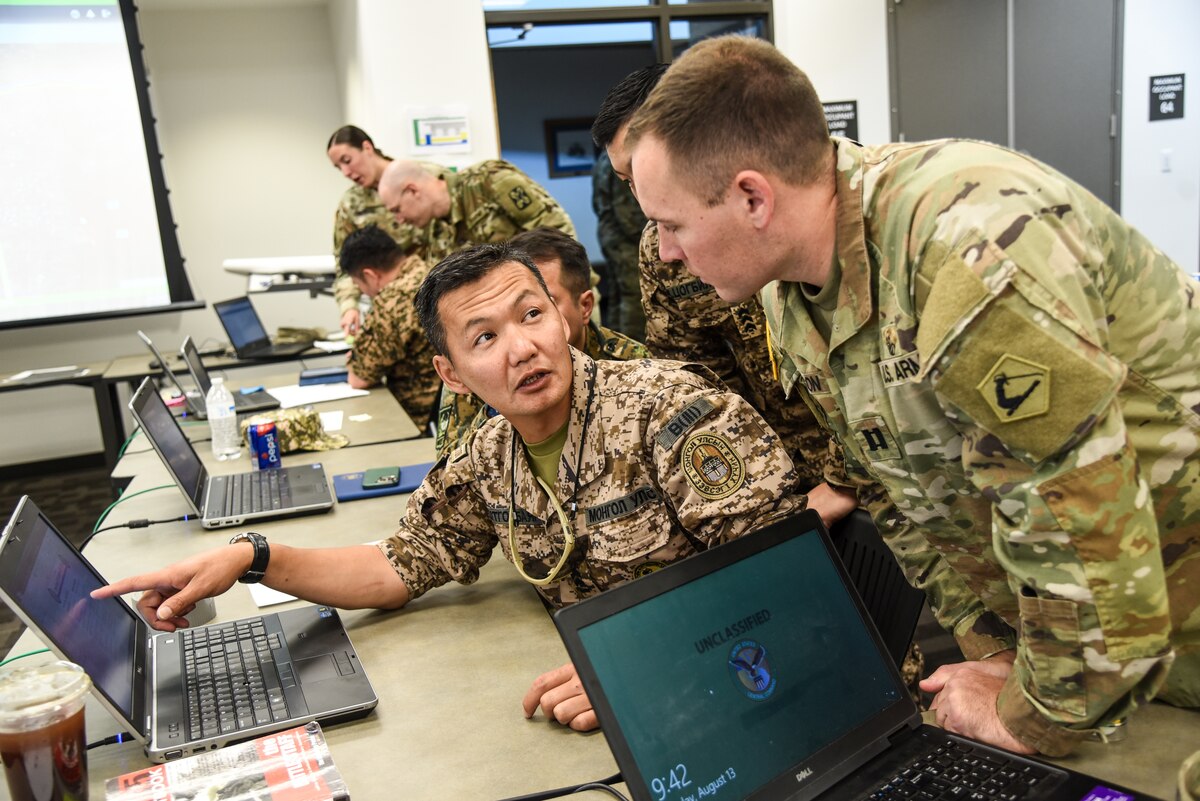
(222, 421)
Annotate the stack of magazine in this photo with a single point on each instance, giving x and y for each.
(292, 765)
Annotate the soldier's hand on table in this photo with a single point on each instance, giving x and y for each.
(831, 503)
(173, 592)
(965, 700)
(350, 321)
(560, 695)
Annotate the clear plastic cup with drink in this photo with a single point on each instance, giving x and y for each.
(41, 731)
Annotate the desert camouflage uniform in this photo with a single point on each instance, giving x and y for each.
(358, 208)
(459, 416)
(619, 224)
(1019, 369)
(643, 502)
(392, 344)
(687, 321)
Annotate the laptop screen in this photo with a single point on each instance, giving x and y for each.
(724, 683)
(49, 581)
(196, 366)
(241, 322)
(168, 439)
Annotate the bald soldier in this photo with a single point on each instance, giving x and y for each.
(1010, 360)
(565, 268)
(590, 476)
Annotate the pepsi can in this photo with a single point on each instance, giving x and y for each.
(264, 446)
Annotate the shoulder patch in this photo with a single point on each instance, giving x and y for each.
(711, 466)
(1016, 388)
(679, 425)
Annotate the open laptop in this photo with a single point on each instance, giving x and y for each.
(229, 500)
(243, 402)
(303, 658)
(247, 334)
(752, 670)
(194, 400)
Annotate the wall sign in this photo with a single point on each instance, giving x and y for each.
(1166, 97)
(842, 118)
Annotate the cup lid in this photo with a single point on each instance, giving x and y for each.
(32, 696)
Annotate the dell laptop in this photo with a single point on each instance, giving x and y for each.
(243, 402)
(271, 672)
(229, 500)
(752, 671)
(194, 400)
(247, 335)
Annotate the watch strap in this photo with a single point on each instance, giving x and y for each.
(262, 556)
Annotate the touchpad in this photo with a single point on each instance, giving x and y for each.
(316, 668)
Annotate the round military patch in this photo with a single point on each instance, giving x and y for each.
(711, 466)
(646, 568)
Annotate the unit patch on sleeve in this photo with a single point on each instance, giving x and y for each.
(711, 466)
(678, 425)
(1016, 388)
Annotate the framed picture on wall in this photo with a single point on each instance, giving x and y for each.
(569, 147)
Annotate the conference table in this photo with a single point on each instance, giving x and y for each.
(450, 668)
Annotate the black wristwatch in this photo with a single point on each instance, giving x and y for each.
(262, 555)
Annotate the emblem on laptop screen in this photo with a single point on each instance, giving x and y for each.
(751, 671)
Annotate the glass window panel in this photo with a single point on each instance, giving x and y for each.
(543, 35)
(685, 33)
(543, 5)
(697, 2)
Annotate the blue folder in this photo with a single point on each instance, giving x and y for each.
(348, 486)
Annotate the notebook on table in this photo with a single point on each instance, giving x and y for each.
(282, 669)
(752, 671)
(194, 400)
(228, 500)
(247, 334)
(243, 402)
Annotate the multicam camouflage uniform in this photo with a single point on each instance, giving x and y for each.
(492, 201)
(619, 224)
(358, 208)
(687, 321)
(459, 416)
(669, 465)
(1019, 369)
(392, 344)
(297, 429)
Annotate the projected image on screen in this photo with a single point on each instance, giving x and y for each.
(80, 232)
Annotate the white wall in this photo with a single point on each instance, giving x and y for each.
(245, 101)
(843, 61)
(1161, 38)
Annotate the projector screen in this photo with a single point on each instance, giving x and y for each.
(85, 227)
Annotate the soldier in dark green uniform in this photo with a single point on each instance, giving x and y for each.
(619, 224)
(391, 345)
(564, 265)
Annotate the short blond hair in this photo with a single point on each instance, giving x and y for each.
(732, 103)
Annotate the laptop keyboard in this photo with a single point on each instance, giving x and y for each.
(230, 678)
(260, 491)
(949, 769)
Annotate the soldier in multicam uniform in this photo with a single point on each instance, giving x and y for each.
(619, 224)
(1013, 363)
(391, 344)
(353, 153)
(593, 474)
(564, 266)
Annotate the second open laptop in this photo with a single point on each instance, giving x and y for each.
(752, 671)
(243, 402)
(190, 690)
(247, 334)
(228, 500)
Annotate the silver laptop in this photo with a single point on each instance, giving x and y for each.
(277, 671)
(230, 500)
(243, 402)
(194, 399)
(752, 671)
